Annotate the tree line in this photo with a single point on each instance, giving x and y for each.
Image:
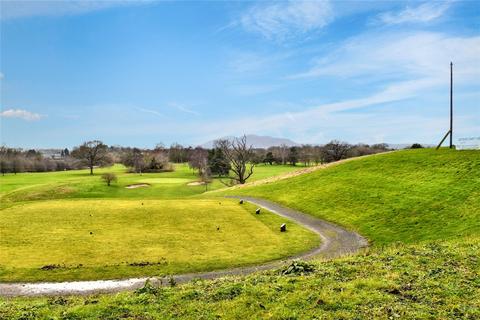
(233, 159)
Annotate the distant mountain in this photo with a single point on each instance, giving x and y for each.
(258, 142)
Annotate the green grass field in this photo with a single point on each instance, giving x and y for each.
(80, 184)
(81, 229)
(419, 208)
(98, 239)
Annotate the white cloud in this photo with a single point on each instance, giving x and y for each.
(315, 117)
(401, 55)
(183, 108)
(151, 112)
(282, 20)
(19, 9)
(423, 13)
(21, 114)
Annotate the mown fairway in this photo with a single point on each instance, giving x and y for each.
(91, 239)
(80, 184)
(71, 226)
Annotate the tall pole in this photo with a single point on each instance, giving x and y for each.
(451, 105)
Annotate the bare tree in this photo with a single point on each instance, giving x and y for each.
(206, 176)
(336, 150)
(109, 177)
(93, 153)
(283, 150)
(240, 155)
(198, 159)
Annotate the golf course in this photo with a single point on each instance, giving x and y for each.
(419, 210)
(81, 229)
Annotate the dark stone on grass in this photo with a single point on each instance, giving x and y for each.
(257, 211)
(283, 227)
(91, 232)
(241, 201)
(50, 267)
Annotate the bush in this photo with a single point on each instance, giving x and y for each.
(416, 146)
(109, 177)
(298, 267)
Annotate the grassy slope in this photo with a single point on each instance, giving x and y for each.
(175, 236)
(430, 281)
(406, 196)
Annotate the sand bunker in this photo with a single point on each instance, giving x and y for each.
(196, 183)
(138, 185)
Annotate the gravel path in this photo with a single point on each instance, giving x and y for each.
(336, 242)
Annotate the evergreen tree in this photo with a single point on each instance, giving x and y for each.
(217, 162)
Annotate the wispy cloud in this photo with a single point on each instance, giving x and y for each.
(283, 20)
(183, 108)
(155, 112)
(314, 116)
(19, 9)
(400, 55)
(21, 114)
(423, 13)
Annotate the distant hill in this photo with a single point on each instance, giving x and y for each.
(258, 141)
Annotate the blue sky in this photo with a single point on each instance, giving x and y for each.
(142, 72)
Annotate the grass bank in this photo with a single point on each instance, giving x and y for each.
(438, 280)
(407, 196)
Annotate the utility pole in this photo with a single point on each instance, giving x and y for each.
(451, 105)
(449, 132)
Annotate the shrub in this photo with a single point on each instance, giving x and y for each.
(298, 267)
(416, 146)
(109, 177)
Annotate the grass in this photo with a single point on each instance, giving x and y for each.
(419, 208)
(79, 184)
(436, 280)
(407, 196)
(105, 239)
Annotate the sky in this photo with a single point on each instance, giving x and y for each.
(138, 73)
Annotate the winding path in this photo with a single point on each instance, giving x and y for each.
(336, 241)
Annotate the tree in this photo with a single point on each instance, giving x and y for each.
(66, 152)
(416, 146)
(293, 156)
(206, 176)
(240, 156)
(283, 152)
(198, 159)
(177, 153)
(17, 164)
(5, 166)
(269, 158)
(306, 154)
(336, 150)
(92, 153)
(109, 177)
(134, 158)
(217, 162)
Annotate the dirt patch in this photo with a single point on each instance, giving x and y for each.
(138, 185)
(196, 183)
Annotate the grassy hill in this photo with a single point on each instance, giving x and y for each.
(405, 196)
